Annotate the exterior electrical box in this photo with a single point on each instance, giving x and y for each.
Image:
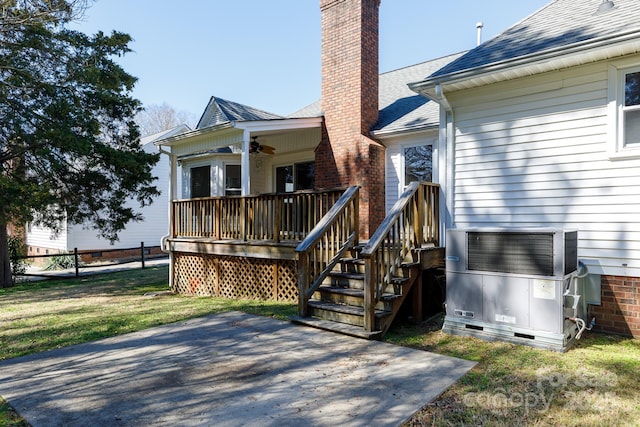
(517, 285)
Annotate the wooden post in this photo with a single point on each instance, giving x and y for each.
(173, 218)
(76, 261)
(369, 294)
(217, 213)
(277, 217)
(416, 294)
(419, 215)
(303, 282)
(355, 217)
(243, 219)
(142, 253)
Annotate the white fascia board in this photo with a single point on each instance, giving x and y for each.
(387, 134)
(251, 126)
(550, 60)
(278, 124)
(184, 137)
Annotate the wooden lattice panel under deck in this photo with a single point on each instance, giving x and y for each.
(194, 275)
(235, 277)
(287, 281)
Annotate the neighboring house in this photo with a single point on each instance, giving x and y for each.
(41, 240)
(542, 127)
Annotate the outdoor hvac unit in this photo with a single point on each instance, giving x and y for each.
(517, 285)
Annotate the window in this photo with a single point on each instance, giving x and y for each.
(631, 110)
(201, 181)
(624, 109)
(295, 177)
(284, 179)
(304, 173)
(418, 164)
(232, 180)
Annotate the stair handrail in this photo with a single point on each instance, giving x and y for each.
(326, 244)
(411, 223)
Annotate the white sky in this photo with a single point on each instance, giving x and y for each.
(266, 54)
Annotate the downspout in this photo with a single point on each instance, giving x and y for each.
(173, 165)
(447, 144)
(245, 164)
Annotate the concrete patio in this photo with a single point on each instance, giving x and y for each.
(230, 369)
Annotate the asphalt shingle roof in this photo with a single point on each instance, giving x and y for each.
(561, 23)
(221, 111)
(401, 109)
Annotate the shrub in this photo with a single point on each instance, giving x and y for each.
(60, 262)
(17, 249)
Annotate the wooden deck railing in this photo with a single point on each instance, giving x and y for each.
(276, 217)
(412, 223)
(327, 243)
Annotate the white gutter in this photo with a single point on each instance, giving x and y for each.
(548, 60)
(446, 146)
(175, 139)
(173, 187)
(245, 164)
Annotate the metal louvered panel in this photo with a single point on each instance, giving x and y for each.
(511, 252)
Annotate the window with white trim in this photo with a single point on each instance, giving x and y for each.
(624, 109)
(631, 110)
(418, 164)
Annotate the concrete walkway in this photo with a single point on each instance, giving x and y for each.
(230, 369)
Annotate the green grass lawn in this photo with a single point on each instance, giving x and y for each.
(595, 383)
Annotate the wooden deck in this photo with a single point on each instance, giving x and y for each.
(305, 247)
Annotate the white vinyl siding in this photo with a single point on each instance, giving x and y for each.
(150, 230)
(43, 238)
(534, 152)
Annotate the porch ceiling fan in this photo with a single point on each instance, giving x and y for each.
(256, 147)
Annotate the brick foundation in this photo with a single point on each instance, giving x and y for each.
(620, 309)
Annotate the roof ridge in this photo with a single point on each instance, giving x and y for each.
(424, 62)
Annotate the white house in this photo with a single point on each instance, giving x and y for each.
(41, 241)
(540, 126)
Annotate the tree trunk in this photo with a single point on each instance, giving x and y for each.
(6, 280)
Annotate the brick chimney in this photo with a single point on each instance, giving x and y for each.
(346, 155)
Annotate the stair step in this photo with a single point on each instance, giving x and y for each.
(347, 275)
(398, 280)
(350, 314)
(350, 296)
(410, 264)
(343, 328)
(345, 280)
(352, 265)
(352, 260)
(353, 292)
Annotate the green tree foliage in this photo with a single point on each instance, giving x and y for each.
(69, 147)
(17, 250)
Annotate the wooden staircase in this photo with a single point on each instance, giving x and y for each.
(338, 303)
(358, 289)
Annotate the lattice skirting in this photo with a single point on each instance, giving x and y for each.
(235, 277)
